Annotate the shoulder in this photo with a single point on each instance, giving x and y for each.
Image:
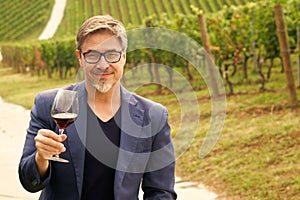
(142, 102)
(47, 96)
(153, 112)
(147, 103)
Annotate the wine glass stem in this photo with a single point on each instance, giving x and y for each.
(61, 131)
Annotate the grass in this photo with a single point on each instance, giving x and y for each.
(22, 88)
(257, 154)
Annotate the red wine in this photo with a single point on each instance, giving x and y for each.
(64, 119)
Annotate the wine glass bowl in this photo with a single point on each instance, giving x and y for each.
(64, 112)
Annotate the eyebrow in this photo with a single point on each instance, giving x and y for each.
(112, 49)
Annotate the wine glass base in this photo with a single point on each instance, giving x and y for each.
(58, 159)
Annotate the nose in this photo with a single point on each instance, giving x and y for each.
(102, 64)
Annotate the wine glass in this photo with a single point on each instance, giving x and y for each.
(64, 111)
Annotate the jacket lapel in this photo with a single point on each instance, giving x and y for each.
(77, 136)
(132, 119)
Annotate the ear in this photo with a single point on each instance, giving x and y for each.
(78, 55)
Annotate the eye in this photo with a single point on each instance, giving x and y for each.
(92, 55)
(112, 55)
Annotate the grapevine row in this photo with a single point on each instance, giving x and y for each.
(26, 18)
(130, 12)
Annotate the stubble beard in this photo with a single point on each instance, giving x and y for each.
(102, 87)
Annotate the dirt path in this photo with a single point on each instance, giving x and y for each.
(55, 19)
(13, 123)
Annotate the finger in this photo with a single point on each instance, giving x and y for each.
(46, 154)
(49, 134)
(45, 143)
(63, 137)
(51, 149)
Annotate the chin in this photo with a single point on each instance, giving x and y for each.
(103, 88)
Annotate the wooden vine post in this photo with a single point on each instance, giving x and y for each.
(285, 53)
(206, 45)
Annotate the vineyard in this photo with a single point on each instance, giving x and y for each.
(133, 12)
(22, 20)
(243, 41)
(257, 156)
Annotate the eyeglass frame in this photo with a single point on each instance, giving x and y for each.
(101, 54)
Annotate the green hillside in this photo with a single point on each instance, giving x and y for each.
(132, 12)
(23, 19)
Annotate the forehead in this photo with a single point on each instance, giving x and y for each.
(101, 41)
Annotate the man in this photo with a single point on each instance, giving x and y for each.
(119, 141)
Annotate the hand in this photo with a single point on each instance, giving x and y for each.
(49, 143)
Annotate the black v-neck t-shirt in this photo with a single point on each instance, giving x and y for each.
(101, 154)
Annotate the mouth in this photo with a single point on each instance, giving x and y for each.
(101, 73)
(106, 74)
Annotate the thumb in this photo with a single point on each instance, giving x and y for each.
(63, 137)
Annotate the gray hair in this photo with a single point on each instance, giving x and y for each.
(101, 23)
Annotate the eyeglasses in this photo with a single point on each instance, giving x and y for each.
(93, 56)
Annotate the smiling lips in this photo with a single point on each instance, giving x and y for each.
(102, 73)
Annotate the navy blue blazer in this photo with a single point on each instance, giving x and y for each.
(146, 155)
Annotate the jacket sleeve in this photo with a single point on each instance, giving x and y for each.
(40, 118)
(159, 179)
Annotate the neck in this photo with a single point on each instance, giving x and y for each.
(104, 105)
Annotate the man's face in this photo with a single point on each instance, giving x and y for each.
(107, 72)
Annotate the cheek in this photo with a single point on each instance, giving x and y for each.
(86, 69)
(120, 66)
(119, 71)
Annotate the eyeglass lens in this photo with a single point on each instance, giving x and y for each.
(95, 56)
